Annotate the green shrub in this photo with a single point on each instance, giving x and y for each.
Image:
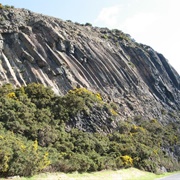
(88, 24)
(7, 6)
(41, 96)
(34, 114)
(19, 156)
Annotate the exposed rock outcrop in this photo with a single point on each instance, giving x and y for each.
(63, 55)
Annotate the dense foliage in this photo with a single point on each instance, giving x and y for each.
(34, 136)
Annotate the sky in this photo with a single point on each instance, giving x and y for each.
(152, 22)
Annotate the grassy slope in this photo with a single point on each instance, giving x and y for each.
(125, 174)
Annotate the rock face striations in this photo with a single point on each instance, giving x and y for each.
(65, 55)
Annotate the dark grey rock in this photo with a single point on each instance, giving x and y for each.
(64, 55)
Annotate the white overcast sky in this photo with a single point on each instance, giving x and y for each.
(152, 22)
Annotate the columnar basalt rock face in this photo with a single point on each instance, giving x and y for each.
(64, 55)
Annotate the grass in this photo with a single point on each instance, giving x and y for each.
(124, 174)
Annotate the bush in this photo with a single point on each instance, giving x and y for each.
(75, 101)
(35, 130)
(19, 156)
(127, 161)
(41, 96)
(88, 24)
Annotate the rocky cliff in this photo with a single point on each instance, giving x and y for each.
(64, 55)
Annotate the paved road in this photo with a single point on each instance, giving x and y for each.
(172, 177)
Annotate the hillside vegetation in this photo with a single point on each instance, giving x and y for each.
(37, 134)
